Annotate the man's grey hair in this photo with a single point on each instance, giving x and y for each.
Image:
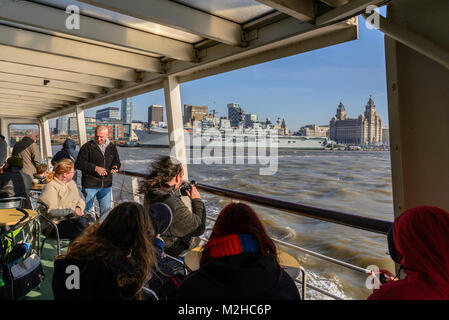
(30, 132)
(101, 128)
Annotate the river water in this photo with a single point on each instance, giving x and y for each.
(357, 182)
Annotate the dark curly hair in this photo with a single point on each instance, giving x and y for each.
(162, 171)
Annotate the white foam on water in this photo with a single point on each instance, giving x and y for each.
(331, 285)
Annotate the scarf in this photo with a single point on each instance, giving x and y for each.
(232, 244)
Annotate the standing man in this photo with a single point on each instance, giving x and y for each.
(98, 159)
(27, 149)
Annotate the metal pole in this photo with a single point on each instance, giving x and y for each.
(351, 220)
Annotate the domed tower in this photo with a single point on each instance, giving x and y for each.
(372, 124)
(370, 108)
(341, 112)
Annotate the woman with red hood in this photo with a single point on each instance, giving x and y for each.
(419, 242)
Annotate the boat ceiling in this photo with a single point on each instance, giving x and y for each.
(49, 66)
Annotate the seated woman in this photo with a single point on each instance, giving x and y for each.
(419, 242)
(64, 201)
(163, 280)
(239, 262)
(113, 259)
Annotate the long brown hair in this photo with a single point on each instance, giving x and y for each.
(162, 171)
(63, 166)
(240, 218)
(125, 231)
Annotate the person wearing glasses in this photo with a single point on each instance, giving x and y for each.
(64, 201)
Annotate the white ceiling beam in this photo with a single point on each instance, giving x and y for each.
(46, 60)
(17, 97)
(60, 112)
(303, 10)
(44, 89)
(53, 74)
(62, 98)
(351, 9)
(49, 18)
(11, 102)
(74, 86)
(8, 111)
(25, 39)
(280, 39)
(27, 107)
(15, 111)
(178, 16)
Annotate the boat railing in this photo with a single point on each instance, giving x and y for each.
(350, 220)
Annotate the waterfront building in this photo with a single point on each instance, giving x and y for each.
(194, 113)
(127, 110)
(155, 114)
(386, 136)
(313, 130)
(364, 130)
(108, 113)
(284, 129)
(73, 125)
(136, 125)
(115, 129)
(236, 115)
(225, 123)
(250, 119)
(62, 123)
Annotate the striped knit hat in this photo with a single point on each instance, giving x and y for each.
(232, 244)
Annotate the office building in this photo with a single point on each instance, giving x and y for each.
(155, 114)
(126, 110)
(250, 119)
(236, 115)
(112, 113)
(194, 113)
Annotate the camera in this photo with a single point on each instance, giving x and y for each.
(187, 187)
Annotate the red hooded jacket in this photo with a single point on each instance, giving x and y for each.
(421, 239)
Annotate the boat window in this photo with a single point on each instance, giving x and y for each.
(17, 131)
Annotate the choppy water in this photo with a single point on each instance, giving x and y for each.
(357, 182)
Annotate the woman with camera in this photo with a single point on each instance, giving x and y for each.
(163, 185)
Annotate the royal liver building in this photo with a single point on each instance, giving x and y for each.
(364, 130)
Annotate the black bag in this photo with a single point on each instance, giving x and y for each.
(25, 276)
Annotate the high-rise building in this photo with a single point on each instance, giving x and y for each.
(364, 130)
(155, 114)
(194, 113)
(236, 115)
(108, 113)
(127, 110)
(62, 123)
(250, 119)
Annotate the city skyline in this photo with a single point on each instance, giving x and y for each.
(303, 89)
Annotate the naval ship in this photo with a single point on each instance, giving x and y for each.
(157, 137)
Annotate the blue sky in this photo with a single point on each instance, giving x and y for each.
(303, 89)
